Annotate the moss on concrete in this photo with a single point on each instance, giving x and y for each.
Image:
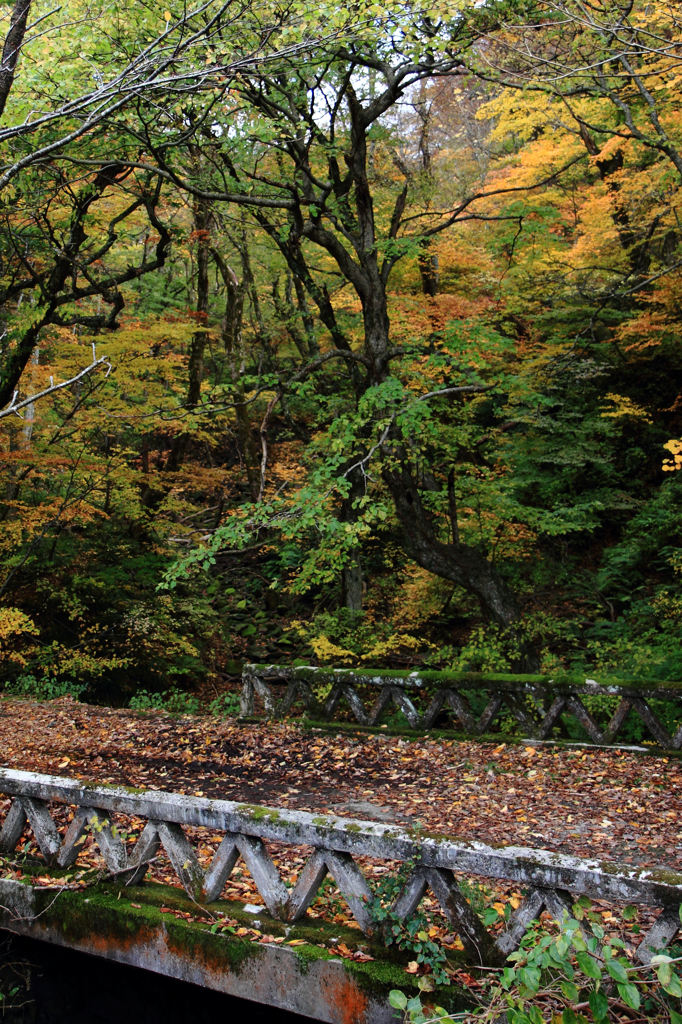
(105, 913)
(556, 682)
(109, 913)
(258, 813)
(457, 735)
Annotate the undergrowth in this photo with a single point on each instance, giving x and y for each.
(576, 974)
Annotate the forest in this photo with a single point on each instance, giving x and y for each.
(338, 335)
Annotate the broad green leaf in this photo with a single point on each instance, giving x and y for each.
(616, 970)
(570, 991)
(599, 1005)
(674, 986)
(397, 999)
(588, 965)
(630, 995)
(530, 978)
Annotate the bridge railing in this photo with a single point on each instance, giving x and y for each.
(338, 847)
(536, 706)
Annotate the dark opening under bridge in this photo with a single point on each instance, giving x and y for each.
(122, 836)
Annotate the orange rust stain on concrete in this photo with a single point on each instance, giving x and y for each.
(346, 997)
(103, 943)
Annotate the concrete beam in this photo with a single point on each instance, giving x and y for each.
(305, 979)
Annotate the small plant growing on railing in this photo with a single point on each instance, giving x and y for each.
(577, 975)
(408, 934)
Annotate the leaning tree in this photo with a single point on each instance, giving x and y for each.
(301, 157)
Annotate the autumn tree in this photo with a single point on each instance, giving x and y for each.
(58, 174)
(82, 229)
(592, 287)
(388, 324)
(305, 164)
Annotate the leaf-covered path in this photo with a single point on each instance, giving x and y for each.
(618, 805)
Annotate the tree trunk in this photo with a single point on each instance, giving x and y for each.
(232, 342)
(428, 268)
(202, 229)
(352, 583)
(195, 368)
(458, 562)
(12, 48)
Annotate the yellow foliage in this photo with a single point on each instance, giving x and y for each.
(15, 625)
(624, 406)
(675, 463)
(598, 240)
(326, 651)
(515, 540)
(658, 321)
(83, 663)
(397, 643)
(519, 114)
(419, 597)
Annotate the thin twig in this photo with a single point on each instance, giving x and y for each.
(14, 406)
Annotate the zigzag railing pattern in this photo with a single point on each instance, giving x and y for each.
(472, 703)
(551, 880)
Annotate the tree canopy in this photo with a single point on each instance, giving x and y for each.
(347, 335)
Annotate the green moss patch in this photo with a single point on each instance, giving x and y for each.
(111, 913)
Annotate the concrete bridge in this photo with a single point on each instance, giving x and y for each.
(140, 878)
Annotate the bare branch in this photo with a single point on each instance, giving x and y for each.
(14, 406)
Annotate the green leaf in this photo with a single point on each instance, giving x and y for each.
(673, 987)
(630, 995)
(397, 999)
(616, 970)
(570, 991)
(507, 978)
(588, 965)
(530, 978)
(518, 1017)
(599, 1005)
